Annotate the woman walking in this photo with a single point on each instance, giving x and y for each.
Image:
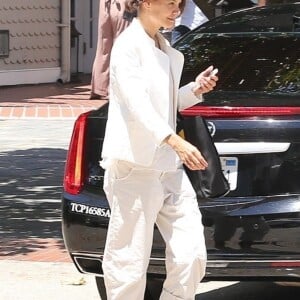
(143, 158)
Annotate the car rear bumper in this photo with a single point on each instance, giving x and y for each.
(273, 254)
(271, 270)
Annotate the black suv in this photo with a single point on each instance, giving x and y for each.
(254, 118)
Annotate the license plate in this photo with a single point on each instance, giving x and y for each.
(230, 170)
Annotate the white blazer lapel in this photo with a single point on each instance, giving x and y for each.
(176, 65)
(176, 59)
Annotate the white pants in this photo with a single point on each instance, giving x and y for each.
(139, 198)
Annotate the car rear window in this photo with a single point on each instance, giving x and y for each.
(255, 68)
(275, 18)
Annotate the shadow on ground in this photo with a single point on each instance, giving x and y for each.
(252, 291)
(30, 191)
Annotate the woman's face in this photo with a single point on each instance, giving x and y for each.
(163, 12)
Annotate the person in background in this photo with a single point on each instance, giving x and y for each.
(111, 24)
(260, 2)
(191, 17)
(144, 180)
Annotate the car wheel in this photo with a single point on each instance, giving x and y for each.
(153, 288)
(101, 287)
(152, 291)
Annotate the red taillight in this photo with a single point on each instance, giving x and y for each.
(74, 169)
(228, 111)
(286, 264)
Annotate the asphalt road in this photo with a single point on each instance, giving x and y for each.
(32, 156)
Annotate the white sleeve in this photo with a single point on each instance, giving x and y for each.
(186, 97)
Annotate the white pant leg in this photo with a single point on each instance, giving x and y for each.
(180, 224)
(135, 197)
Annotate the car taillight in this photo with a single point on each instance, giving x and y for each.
(228, 111)
(74, 168)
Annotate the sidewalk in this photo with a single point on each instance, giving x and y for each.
(33, 260)
(45, 102)
(51, 100)
(45, 281)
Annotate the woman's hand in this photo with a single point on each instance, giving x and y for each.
(205, 82)
(188, 153)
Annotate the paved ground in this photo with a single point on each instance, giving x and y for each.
(33, 261)
(28, 280)
(54, 100)
(28, 108)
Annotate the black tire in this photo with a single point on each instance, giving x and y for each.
(154, 288)
(152, 292)
(101, 287)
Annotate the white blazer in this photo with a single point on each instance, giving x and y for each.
(139, 96)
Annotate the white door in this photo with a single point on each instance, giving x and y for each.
(84, 16)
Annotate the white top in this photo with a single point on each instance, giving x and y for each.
(192, 16)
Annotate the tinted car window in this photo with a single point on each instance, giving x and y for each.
(265, 19)
(262, 62)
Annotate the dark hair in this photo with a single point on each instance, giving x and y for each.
(131, 7)
(182, 6)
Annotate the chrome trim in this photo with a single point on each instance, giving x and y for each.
(253, 261)
(92, 257)
(211, 128)
(215, 268)
(100, 257)
(251, 148)
(87, 254)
